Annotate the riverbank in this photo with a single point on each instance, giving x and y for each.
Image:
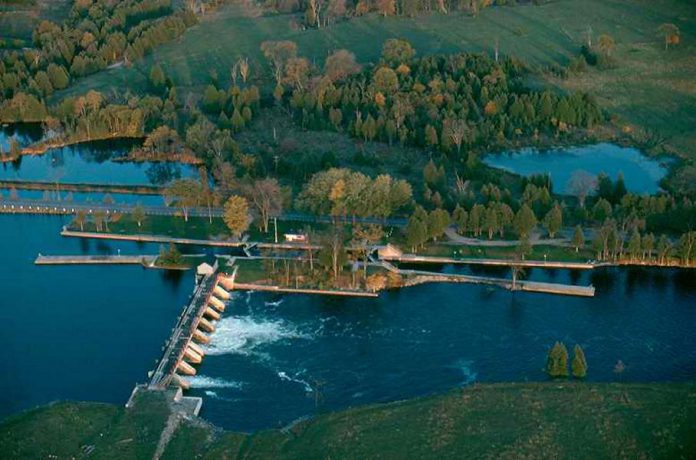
(563, 420)
(41, 147)
(82, 187)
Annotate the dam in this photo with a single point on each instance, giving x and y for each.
(184, 349)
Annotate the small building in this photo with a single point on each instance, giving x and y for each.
(204, 269)
(295, 238)
(389, 251)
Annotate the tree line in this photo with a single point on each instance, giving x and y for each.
(96, 34)
(452, 104)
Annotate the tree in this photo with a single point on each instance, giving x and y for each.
(236, 215)
(557, 362)
(687, 247)
(601, 210)
(386, 81)
(524, 221)
(80, 219)
(490, 221)
(670, 32)
(333, 254)
(184, 193)
(634, 245)
(265, 195)
(460, 218)
(58, 75)
(438, 221)
(553, 221)
(138, 214)
(578, 240)
(169, 256)
(157, 79)
(396, 51)
(416, 232)
(606, 44)
(386, 7)
(664, 248)
(340, 65)
(278, 53)
(578, 365)
(99, 218)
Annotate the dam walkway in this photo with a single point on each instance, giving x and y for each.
(193, 326)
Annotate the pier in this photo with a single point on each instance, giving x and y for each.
(416, 259)
(183, 348)
(145, 260)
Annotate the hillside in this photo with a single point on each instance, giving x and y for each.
(649, 90)
(494, 421)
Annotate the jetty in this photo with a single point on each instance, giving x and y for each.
(417, 259)
(184, 349)
(145, 260)
(423, 276)
(289, 290)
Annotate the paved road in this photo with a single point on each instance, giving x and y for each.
(64, 207)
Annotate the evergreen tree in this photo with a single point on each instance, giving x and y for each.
(557, 362)
(578, 239)
(578, 364)
(524, 221)
(553, 221)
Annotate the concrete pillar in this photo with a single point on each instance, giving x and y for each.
(192, 357)
(182, 382)
(185, 368)
(212, 314)
(227, 282)
(221, 293)
(193, 346)
(200, 337)
(206, 325)
(216, 303)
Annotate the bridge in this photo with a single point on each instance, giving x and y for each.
(183, 349)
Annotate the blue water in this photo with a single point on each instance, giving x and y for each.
(81, 333)
(270, 353)
(90, 163)
(641, 174)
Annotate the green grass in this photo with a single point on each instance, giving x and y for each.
(18, 21)
(65, 430)
(553, 253)
(250, 271)
(530, 420)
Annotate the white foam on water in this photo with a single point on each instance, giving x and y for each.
(274, 304)
(241, 334)
(202, 381)
(284, 376)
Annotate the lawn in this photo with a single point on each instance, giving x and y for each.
(18, 21)
(530, 420)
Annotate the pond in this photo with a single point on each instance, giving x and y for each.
(642, 175)
(91, 162)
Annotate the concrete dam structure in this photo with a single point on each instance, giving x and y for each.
(193, 329)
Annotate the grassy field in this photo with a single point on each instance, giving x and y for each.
(547, 420)
(18, 21)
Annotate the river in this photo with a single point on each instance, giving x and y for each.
(91, 333)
